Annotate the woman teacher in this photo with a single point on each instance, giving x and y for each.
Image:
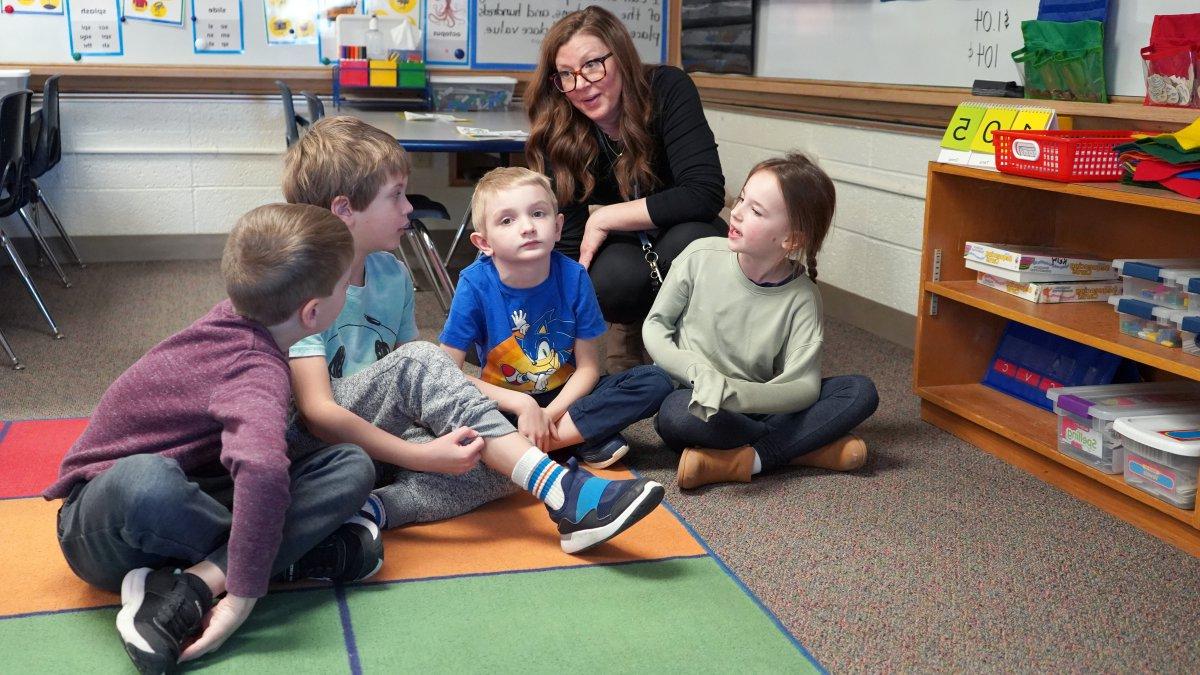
(633, 163)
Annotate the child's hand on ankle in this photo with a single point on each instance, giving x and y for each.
(455, 453)
(224, 618)
(534, 424)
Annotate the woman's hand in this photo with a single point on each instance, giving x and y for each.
(594, 234)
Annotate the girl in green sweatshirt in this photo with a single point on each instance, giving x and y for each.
(738, 324)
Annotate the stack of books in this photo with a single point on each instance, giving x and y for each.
(1041, 273)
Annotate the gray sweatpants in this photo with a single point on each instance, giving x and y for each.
(417, 393)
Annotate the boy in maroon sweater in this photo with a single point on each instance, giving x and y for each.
(181, 487)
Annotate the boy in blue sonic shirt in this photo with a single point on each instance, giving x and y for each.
(533, 317)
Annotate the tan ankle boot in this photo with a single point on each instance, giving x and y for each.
(701, 466)
(622, 347)
(845, 454)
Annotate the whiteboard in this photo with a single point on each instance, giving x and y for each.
(507, 34)
(948, 43)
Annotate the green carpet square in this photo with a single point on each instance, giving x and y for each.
(287, 633)
(681, 615)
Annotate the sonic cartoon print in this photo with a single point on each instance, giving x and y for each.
(536, 358)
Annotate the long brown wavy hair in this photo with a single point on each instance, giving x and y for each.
(564, 138)
(810, 198)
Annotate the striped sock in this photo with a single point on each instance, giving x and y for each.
(373, 511)
(541, 476)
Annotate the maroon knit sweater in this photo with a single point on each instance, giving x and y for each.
(218, 390)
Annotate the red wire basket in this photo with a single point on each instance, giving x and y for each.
(1067, 156)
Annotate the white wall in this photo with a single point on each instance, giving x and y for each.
(172, 166)
(874, 248)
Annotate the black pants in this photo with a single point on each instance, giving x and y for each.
(846, 401)
(620, 273)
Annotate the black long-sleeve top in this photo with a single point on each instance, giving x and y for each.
(691, 185)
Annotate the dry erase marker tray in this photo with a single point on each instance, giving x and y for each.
(1067, 156)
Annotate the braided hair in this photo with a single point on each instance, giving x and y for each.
(810, 198)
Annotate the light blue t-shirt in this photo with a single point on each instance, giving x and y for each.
(525, 337)
(378, 316)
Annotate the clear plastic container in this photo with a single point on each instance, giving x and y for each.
(1162, 456)
(1147, 321)
(1086, 416)
(471, 92)
(1192, 286)
(1189, 332)
(1157, 281)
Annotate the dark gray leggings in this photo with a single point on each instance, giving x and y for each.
(846, 401)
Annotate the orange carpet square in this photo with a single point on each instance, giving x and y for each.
(512, 534)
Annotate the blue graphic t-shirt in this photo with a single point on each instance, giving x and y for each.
(378, 316)
(525, 337)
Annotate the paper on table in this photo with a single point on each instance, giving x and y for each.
(479, 132)
(410, 116)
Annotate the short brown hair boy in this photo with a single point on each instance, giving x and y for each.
(341, 156)
(279, 256)
(505, 178)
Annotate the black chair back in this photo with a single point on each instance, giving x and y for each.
(47, 147)
(14, 130)
(292, 122)
(316, 109)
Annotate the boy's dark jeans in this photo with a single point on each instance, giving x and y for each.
(145, 512)
(846, 401)
(616, 402)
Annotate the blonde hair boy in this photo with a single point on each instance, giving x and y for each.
(280, 255)
(341, 156)
(505, 178)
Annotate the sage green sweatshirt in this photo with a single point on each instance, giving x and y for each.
(740, 346)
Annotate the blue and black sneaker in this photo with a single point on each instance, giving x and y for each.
(603, 454)
(595, 509)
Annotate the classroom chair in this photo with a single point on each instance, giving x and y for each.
(16, 364)
(46, 143)
(14, 129)
(462, 229)
(316, 109)
(291, 121)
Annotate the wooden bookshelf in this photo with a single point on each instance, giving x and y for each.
(959, 322)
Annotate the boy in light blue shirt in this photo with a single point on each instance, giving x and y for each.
(532, 315)
(378, 315)
(407, 405)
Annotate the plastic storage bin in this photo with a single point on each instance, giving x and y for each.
(13, 79)
(1189, 332)
(1161, 282)
(1144, 320)
(1065, 156)
(1162, 456)
(462, 93)
(1192, 286)
(1086, 416)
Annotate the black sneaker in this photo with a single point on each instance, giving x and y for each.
(159, 610)
(352, 553)
(595, 509)
(603, 454)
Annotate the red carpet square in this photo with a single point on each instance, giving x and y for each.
(31, 451)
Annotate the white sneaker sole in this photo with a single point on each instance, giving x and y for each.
(616, 457)
(133, 593)
(580, 541)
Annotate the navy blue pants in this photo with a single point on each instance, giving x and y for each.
(846, 401)
(616, 402)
